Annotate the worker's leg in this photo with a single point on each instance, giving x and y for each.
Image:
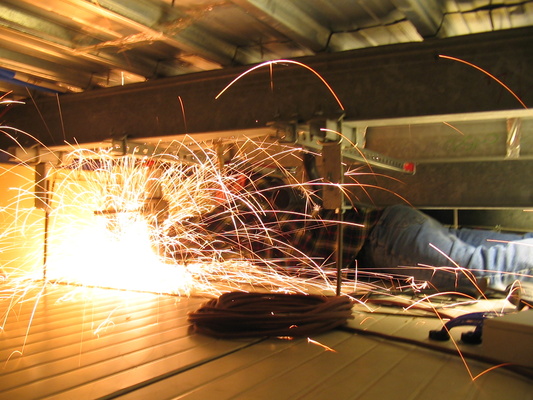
(487, 238)
(405, 237)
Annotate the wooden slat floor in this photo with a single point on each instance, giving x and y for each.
(79, 344)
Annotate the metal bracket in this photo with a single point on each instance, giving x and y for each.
(333, 197)
(313, 135)
(173, 154)
(378, 160)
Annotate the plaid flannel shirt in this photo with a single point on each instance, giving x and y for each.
(292, 238)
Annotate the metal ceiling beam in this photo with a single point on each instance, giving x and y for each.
(57, 41)
(145, 22)
(62, 65)
(396, 81)
(425, 15)
(21, 20)
(39, 69)
(475, 17)
(163, 22)
(290, 19)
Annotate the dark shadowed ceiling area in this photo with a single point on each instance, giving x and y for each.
(69, 46)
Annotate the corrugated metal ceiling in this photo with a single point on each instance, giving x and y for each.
(61, 46)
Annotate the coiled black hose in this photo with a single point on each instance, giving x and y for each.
(241, 314)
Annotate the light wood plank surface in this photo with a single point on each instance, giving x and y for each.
(73, 343)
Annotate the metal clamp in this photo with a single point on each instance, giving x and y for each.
(473, 319)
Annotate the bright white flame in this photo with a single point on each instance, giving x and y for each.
(97, 256)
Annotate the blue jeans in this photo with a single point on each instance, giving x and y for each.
(409, 243)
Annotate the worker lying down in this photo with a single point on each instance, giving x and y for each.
(397, 239)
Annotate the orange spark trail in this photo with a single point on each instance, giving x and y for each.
(453, 127)
(270, 63)
(486, 73)
(183, 113)
(444, 255)
(466, 272)
(309, 340)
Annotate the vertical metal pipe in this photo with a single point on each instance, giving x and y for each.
(334, 197)
(45, 245)
(42, 200)
(339, 248)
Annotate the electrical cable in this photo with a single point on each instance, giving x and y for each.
(245, 315)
